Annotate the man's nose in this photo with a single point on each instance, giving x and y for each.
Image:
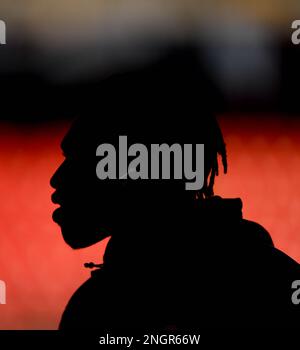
(53, 180)
(56, 177)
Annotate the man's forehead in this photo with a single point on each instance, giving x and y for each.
(88, 133)
(78, 139)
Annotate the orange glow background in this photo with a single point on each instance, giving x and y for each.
(41, 271)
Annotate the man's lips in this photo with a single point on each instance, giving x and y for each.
(55, 198)
(57, 215)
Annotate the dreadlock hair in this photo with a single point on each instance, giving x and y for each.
(163, 101)
(218, 149)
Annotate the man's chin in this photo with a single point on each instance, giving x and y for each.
(78, 238)
(78, 230)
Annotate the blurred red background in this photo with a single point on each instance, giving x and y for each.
(41, 271)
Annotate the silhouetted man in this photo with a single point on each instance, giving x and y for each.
(176, 257)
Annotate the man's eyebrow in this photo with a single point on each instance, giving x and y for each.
(63, 146)
(63, 151)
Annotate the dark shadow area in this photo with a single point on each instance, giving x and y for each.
(177, 259)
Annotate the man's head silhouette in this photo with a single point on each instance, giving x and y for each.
(163, 102)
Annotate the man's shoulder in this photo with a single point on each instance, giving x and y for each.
(256, 233)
